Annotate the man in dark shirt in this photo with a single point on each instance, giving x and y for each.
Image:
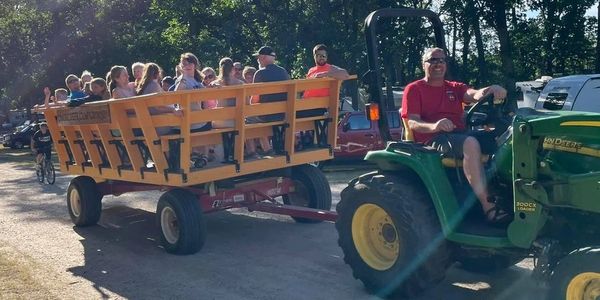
(41, 143)
(270, 72)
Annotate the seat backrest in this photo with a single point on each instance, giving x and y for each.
(408, 134)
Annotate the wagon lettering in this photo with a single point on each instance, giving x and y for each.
(83, 115)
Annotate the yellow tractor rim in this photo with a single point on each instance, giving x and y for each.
(585, 286)
(375, 237)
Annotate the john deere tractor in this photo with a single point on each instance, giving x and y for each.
(403, 225)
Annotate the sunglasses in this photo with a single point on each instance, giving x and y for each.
(438, 60)
(72, 80)
(209, 76)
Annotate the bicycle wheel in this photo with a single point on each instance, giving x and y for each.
(49, 172)
(39, 172)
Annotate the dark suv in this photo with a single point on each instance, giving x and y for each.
(357, 135)
(21, 137)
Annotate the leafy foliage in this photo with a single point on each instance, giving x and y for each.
(43, 41)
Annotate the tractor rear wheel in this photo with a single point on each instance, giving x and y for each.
(84, 201)
(390, 235)
(311, 189)
(181, 222)
(577, 276)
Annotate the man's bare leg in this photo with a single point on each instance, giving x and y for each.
(473, 168)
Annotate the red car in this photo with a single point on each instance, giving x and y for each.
(357, 135)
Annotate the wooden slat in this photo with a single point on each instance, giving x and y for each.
(149, 130)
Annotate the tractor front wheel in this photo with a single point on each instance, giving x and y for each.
(577, 276)
(390, 235)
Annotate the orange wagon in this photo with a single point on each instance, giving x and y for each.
(114, 147)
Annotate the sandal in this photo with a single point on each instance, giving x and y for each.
(497, 216)
(198, 160)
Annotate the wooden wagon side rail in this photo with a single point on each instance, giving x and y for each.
(139, 139)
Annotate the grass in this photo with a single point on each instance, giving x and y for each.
(16, 278)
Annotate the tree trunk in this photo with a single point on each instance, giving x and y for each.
(505, 46)
(549, 31)
(466, 43)
(473, 14)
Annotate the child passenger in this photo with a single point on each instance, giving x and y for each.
(192, 79)
(118, 83)
(149, 84)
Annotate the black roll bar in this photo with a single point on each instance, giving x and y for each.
(373, 76)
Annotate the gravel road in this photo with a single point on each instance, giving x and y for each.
(246, 255)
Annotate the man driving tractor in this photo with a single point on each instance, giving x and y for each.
(433, 109)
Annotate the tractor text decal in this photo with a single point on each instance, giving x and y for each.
(526, 206)
(560, 143)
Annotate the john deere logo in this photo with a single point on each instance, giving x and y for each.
(561, 143)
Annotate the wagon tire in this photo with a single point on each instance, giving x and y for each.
(311, 190)
(181, 222)
(84, 201)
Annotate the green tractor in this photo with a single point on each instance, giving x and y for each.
(401, 227)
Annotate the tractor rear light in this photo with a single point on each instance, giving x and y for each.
(372, 111)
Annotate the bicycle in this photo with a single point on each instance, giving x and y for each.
(45, 170)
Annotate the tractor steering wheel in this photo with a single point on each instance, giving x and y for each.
(494, 114)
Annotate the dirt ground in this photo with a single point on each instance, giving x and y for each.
(246, 255)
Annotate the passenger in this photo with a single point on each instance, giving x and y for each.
(149, 85)
(98, 91)
(118, 83)
(137, 70)
(208, 76)
(237, 66)
(167, 82)
(320, 70)
(74, 86)
(227, 77)
(192, 79)
(86, 76)
(248, 74)
(61, 96)
(269, 72)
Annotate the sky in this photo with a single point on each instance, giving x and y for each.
(593, 11)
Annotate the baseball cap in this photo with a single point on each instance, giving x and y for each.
(265, 50)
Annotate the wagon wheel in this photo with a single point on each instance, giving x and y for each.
(181, 222)
(311, 189)
(84, 201)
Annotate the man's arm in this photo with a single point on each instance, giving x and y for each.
(473, 95)
(416, 124)
(334, 72)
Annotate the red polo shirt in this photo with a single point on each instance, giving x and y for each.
(434, 103)
(312, 73)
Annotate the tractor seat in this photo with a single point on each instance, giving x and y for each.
(448, 162)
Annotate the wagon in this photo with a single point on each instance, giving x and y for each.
(119, 146)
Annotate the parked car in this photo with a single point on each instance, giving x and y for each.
(20, 137)
(357, 135)
(576, 92)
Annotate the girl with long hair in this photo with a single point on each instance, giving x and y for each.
(118, 83)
